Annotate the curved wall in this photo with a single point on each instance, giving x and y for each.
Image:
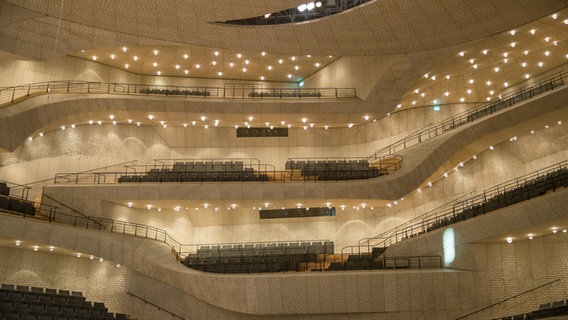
(430, 160)
(495, 271)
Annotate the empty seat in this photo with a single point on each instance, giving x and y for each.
(6, 286)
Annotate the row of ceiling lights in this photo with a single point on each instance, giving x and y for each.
(37, 248)
(194, 123)
(216, 53)
(506, 56)
(261, 207)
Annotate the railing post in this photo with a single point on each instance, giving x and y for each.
(89, 88)
(13, 94)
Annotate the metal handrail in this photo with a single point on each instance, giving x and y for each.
(543, 85)
(264, 172)
(14, 94)
(452, 210)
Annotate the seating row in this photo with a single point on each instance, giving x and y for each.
(545, 311)
(286, 94)
(4, 189)
(170, 92)
(530, 189)
(198, 166)
(22, 302)
(260, 249)
(256, 264)
(168, 176)
(255, 258)
(18, 205)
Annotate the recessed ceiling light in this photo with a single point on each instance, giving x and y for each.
(513, 32)
(296, 67)
(532, 31)
(547, 39)
(269, 67)
(155, 64)
(471, 81)
(461, 54)
(263, 53)
(94, 58)
(239, 55)
(513, 44)
(177, 66)
(214, 62)
(554, 16)
(197, 66)
(126, 66)
(547, 53)
(124, 49)
(485, 51)
(244, 69)
(216, 53)
(156, 52)
(526, 52)
(135, 58)
(112, 56)
(475, 66)
(231, 64)
(317, 64)
(289, 76)
(280, 61)
(186, 71)
(185, 56)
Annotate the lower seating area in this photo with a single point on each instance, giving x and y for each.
(548, 310)
(375, 261)
(259, 257)
(34, 303)
(197, 171)
(10, 203)
(334, 169)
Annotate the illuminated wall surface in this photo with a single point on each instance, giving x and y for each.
(143, 87)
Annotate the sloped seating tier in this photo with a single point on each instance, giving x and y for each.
(257, 258)
(18, 205)
(35, 303)
(197, 171)
(545, 311)
(4, 189)
(368, 261)
(334, 169)
(531, 189)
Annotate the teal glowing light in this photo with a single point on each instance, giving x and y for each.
(437, 108)
(302, 84)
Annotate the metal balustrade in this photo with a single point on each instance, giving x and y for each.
(510, 192)
(536, 88)
(15, 94)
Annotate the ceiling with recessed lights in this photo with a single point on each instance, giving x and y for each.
(378, 27)
(201, 62)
